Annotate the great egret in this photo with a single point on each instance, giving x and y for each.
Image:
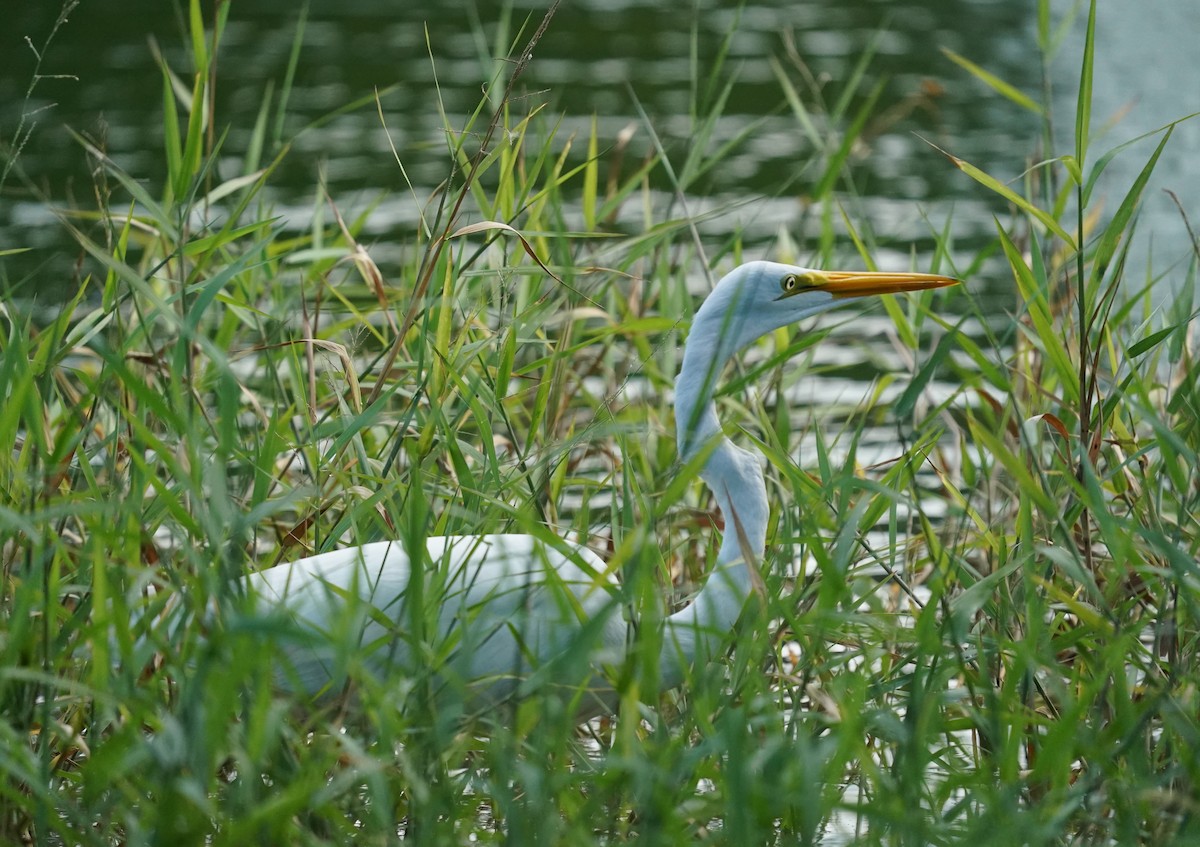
(514, 612)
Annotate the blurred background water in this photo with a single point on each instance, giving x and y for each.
(609, 58)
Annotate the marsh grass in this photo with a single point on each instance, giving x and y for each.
(997, 628)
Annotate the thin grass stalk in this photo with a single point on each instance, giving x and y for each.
(1082, 298)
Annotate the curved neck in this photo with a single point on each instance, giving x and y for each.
(693, 634)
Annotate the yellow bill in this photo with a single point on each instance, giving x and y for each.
(866, 283)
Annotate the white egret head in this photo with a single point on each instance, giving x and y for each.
(752, 300)
(759, 297)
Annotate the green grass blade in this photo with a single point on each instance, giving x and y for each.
(1004, 89)
(1083, 109)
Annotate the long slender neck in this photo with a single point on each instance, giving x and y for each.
(693, 634)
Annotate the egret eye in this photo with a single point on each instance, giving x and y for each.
(790, 283)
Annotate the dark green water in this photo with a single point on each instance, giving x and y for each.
(602, 58)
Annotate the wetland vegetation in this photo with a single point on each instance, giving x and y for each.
(987, 632)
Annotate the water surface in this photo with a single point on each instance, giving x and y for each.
(614, 59)
(605, 59)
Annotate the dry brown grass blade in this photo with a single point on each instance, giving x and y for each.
(366, 266)
(488, 226)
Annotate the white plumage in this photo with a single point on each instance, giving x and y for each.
(514, 612)
(505, 604)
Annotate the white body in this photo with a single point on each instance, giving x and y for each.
(513, 612)
(505, 606)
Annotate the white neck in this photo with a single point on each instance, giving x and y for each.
(694, 633)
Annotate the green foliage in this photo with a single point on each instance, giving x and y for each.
(995, 632)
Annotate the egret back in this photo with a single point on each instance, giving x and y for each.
(506, 613)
